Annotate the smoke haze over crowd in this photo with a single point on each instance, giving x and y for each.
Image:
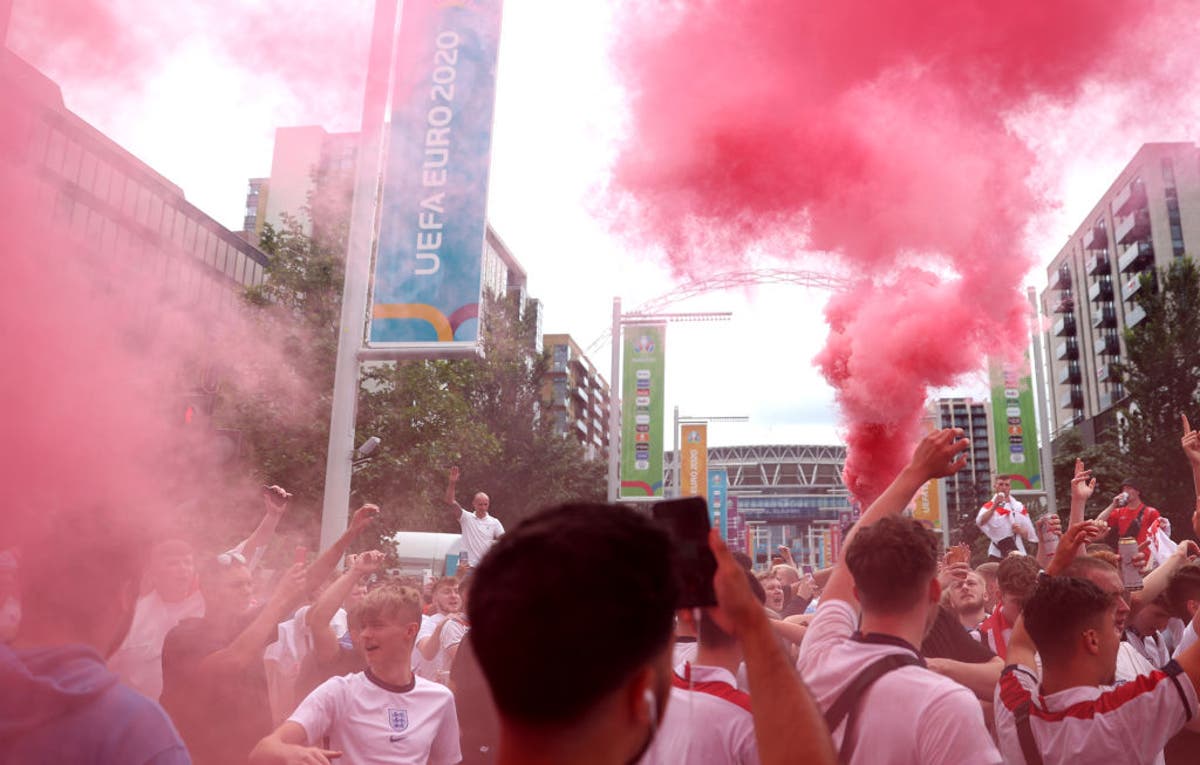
(877, 131)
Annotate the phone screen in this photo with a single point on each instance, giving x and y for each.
(808, 569)
(686, 520)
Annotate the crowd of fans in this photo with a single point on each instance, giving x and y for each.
(562, 641)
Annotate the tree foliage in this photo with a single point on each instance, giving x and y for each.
(481, 414)
(1161, 374)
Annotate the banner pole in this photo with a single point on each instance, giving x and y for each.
(336, 506)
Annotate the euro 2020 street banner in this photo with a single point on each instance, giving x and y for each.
(642, 396)
(718, 500)
(428, 270)
(1014, 427)
(693, 469)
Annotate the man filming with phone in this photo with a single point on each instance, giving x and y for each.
(1005, 522)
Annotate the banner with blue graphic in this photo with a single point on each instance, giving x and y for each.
(718, 500)
(429, 265)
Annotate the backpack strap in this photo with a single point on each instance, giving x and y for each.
(847, 702)
(1029, 747)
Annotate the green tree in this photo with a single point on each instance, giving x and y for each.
(482, 414)
(1104, 458)
(1161, 374)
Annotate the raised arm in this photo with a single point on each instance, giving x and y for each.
(327, 561)
(451, 488)
(939, 454)
(322, 611)
(1191, 447)
(247, 647)
(1076, 536)
(1155, 583)
(788, 725)
(1083, 486)
(275, 500)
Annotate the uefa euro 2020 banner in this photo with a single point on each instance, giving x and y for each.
(693, 451)
(429, 266)
(1014, 428)
(642, 397)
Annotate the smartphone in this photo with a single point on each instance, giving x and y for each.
(686, 521)
(301, 554)
(807, 569)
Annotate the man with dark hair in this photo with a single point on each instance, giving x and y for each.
(79, 585)
(590, 684)
(1128, 516)
(881, 703)
(1016, 578)
(595, 677)
(1068, 716)
(1005, 521)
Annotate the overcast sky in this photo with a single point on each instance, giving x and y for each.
(207, 124)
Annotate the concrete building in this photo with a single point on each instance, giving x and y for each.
(782, 495)
(1147, 218)
(575, 396)
(312, 177)
(122, 213)
(969, 488)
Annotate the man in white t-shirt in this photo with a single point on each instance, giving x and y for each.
(708, 720)
(1005, 521)
(907, 713)
(1069, 716)
(174, 597)
(428, 657)
(384, 714)
(479, 529)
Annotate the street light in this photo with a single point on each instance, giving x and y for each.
(614, 408)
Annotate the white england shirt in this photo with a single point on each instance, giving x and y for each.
(1007, 521)
(138, 662)
(478, 534)
(708, 721)
(910, 716)
(372, 723)
(1128, 724)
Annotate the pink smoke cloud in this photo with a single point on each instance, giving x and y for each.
(878, 131)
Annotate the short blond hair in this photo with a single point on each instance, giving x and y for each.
(390, 602)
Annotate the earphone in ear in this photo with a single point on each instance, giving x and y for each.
(651, 708)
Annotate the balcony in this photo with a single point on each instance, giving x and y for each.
(1108, 344)
(1060, 279)
(1105, 318)
(1136, 258)
(1131, 198)
(1105, 372)
(1069, 373)
(1099, 264)
(1072, 399)
(1135, 316)
(1101, 291)
(1111, 398)
(1067, 350)
(1096, 237)
(1133, 228)
(1065, 303)
(1065, 327)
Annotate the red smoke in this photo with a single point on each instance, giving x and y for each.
(876, 130)
(312, 51)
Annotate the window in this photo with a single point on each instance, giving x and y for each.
(56, 150)
(87, 171)
(74, 157)
(103, 179)
(129, 202)
(116, 188)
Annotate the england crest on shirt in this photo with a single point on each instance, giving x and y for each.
(398, 719)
